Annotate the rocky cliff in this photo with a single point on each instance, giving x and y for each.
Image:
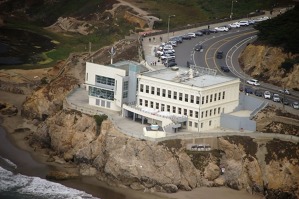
(264, 62)
(167, 166)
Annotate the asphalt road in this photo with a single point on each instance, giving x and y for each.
(232, 43)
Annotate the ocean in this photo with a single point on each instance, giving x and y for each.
(14, 185)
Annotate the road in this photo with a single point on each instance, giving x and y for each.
(232, 43)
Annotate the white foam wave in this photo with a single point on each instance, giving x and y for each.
(37, 186)
(9, 163)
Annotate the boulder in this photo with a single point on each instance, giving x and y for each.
(212, 171)
(170, 188)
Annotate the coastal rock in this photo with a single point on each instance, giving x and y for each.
(60, 175)
(87, 170)
(8, 109)
(170, 188)
(220, 181)
(212, 171)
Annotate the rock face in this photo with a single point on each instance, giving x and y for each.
(264, 63)
(8, 109)
(144, 165)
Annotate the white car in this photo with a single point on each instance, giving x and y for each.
(221, 29)
(244, 23)
(192, 34)
(167, 57)
(267, 95)
(253, 82)
(276, 98)
(295, 105)
(234, 25)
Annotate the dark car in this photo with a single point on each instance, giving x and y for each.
(198, 33)
(258, 93)
(178, 39)
(205, 31)
(248, 90)
(224, 69)
(219, 54)
(213, 31)
(285, 101)
(170, 64)
(198, 47)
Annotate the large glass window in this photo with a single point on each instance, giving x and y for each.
(125, 94)
(105, 80)
(101, 93)
(126, 86)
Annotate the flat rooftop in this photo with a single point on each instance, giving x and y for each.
(197, 77)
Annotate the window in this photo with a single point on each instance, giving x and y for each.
(190, 123)
(126, 86)
(214, 111)
(201, 125)
(146, 103)
(218, 110)
(210, 122)
(211, 112)
(186, 98)
(185, 112)
(207, 99)
(201, 114)
(169, 93)
(157, 106)
(147, 89)
(141, 87)
(192, 99)
(101, 93)
(206, 113)
(173, 109)
(152, 104)
(175, 95)
(215, 97)
(180, 96)
(196, 114)
(163, 92)
(179, 111)
(105, 80)
(202, 100)
(168, 108)
(158, 91)
(152, 90)
(223, 95)
(195, 124)
(219, 96)
(125, 94)
(197, 99)
(162, 107)
(211, 97)
(191, 113)
(108, 104)
(140, 102)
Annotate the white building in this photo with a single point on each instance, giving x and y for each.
(108, 86)
(173, 99)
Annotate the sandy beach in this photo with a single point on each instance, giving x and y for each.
(33, 163)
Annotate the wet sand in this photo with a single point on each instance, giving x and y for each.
(33, 163)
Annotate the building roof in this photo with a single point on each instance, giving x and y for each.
(196, 77)
(130, 65)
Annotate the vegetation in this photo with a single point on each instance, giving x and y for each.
(282, 31)
(99, 120)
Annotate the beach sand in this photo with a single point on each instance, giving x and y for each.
(34, 163)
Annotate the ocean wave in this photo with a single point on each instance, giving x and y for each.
(7, 164)
(36, 187)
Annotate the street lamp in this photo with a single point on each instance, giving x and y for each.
(231, 10)
(169, 16)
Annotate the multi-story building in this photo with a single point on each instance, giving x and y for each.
(108, 86)
(200, 96)
(173, 99)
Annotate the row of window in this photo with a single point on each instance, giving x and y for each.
(105, 80)
(181, 96)
(101, 93)
(195, 124)
(179, 110)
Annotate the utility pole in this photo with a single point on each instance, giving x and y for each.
(169, 16)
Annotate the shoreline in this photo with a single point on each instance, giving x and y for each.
(34, 163)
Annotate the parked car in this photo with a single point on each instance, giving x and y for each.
(213, 31)
(167, 56)
(244, 23)
(224, 69)
(186, 37)
(221, 29)
(170, 64)
(285, 101)
(219, 54)
(173, 43)
(285, 91)
(295, 105)
(177, 39)
(276, 97)
(258, 93)
(192, 34)
(253, 82)
(198, 47)
(267, 95)
(248, 90)
(205, 31)
(198, 33)
(234, 25)
(251, 22)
